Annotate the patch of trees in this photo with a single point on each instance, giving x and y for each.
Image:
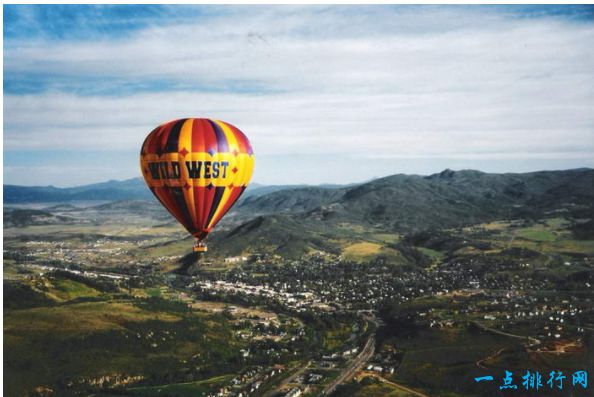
(158, 304)
(400, 321)
(21, 296)
(583, 230)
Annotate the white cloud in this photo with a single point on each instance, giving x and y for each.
(383, 82)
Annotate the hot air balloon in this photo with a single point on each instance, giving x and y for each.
(197, 169)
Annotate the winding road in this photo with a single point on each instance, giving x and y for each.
(532, 342)
(398, 386)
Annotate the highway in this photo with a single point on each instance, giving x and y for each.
(353, 367)
(348, 373)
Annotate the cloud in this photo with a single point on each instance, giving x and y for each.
(367, 82)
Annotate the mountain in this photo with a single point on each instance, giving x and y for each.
(298, 219)
(448, 198)
(290, 200)
(31, 217)
(317, 218)
(123, 208)
(62, 207)
(130, 189)
(284, 235)
(257, 190)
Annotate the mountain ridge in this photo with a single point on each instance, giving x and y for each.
(112, 190)
(293, 220)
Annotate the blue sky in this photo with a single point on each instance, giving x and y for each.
(327, 94)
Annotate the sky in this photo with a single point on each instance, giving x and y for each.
(326, 94)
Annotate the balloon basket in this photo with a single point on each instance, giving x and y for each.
(200, 247)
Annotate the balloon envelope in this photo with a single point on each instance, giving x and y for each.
(197, 168)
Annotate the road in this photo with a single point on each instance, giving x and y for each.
(531, 342)
(349, 372)
(353, 367)
(394, 384)
(480, 362)
(401, 387)
(511, 240)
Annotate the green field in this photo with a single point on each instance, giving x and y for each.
(335, 338)
(121, 338)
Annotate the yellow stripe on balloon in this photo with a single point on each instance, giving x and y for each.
(233, 149)
(184, 147)
(248, 165)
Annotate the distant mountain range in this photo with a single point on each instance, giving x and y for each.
(297, 219)
(400, 201)
(130, 189)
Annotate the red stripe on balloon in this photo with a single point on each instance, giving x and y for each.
(202, 136)
(209, 195)
(242, 141)
(143, 148)
(151, 144)
(181, 206)
(165, 196)
(164, 136)
(200, 128)
(198, 203)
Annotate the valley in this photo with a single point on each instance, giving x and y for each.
(405, 285)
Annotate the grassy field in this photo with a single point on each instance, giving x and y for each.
(110, 336)
(537, 233)
(441, 359)
(335, 338)
(78, 318)
(69, 289)
(436, 256)
(547, 236)
(385, 237)
(366, 251)
(361, 251)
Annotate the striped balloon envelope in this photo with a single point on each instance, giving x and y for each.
(197, 169)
